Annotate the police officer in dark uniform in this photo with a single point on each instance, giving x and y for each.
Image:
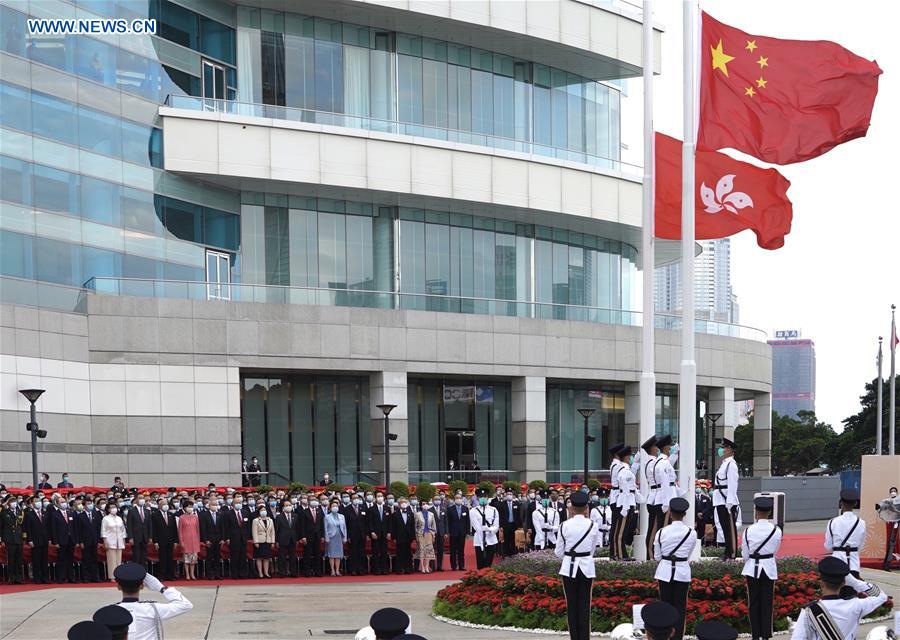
(575, 547)
(12, 536)
(88, 630)
(715, 631)
(659, 619)
(389, 623)
(116, 619)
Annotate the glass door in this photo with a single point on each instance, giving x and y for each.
(213, 85)
(218, 276)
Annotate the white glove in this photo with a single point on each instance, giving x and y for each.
(675, 449)
(152, 583)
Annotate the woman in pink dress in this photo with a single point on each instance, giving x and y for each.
(189, 537)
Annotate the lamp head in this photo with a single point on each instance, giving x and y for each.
(713, 417)
(31, 395)
(587, 413)
(392, 436)
(386, 408)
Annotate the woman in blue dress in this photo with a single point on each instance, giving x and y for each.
(335, 537)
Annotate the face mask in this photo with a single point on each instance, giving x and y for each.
(545, 502)
(379, 500)
(63, 506)
(334, 509)
(293, 500)
(65, 478)
(531, 496)
(595, 499)
(893, 494)
(176, 505)
(314, 504)
(404, 506)
(252, 503)
(164, 508)
(238, 504)
(213, 508)
(604, 501)
(304, 502)
(357, 502)
(436, 503)
(288, 509)
(46, 503)
(369, 499)
(345, 500)
(482, 501)
(228, 500)
(141, 502)
(720, 451)
(189, 509)
(414, 502)
(113, 510)
(263, 513)
(509, 498)
(390, 502)
(273, 503)
(79, 507)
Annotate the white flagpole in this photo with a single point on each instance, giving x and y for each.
(878, 418)
(687, 390)
(892, 403)
(648, 369)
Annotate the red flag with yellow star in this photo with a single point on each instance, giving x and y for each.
(731, 196)
(781, 101)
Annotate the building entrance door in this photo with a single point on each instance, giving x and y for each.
(459, 446)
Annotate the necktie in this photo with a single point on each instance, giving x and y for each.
(213, 516)
(427, 520)
(239, 518)
(458, 511)
(289, 519)
(141, 511)
(509, 504)
(40, 516)
(314, 514)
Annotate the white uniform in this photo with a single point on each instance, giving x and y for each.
(845, 613)
(148, 616)
(720, 532)
(651, 480)
(614, 468)
(665, 480)
(601, 515)
(673, 546)
(485, 524)
(761, 540)
(628, 494)
(578, 535)
(546, 525)
(845, 535)
(726, 486)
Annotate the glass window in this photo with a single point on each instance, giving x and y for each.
(382, 85)
(177, 82)
(14, 28)
(139, 212)
(434, 77)
(135, 142)
(184, 220)
(332, 251)
(15, 180)
(504, 107)
(356, 81)
(360, 273)
(329, 76)
(409, 45)
(559, 105)
(409, 98)
(482, 102)
(434, 49)
(57, 262)
(142, 268)
(277, 243)
(485, 265)
(95, 60)
(273, 78)
(614, 125)
(54, 118)
(217, 40)
(459, 54)
(55, 190)
(176, 24)
(575, 113)
(100, 201)
(356, 35)
(220, 229)
(99, 263)
(299, 61)
(16, 255)
(483, 60)
(522, 99)
(15, 107)
(328, 30)
(53, 50)
(100, 132)
(138, 75)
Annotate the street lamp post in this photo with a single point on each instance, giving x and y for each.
(32, 396)
(711, 419)
(388, 436)
(586, 413)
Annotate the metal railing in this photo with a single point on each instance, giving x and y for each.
(471, 476)
(368, 123)
(320, 296)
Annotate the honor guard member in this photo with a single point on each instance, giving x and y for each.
(88, 630)
(725, 497)
(835, 617)
(672, 547)
(485, 524)
(546, 522)
(845, 534)
(714, 630)
(577, 540)
(148, 614)
(654, 521)
(623, 535)
(12, 535)
(389, 623)
(665, 479)
(659, 619)
(601, 515)
(614, 468)
(761, 541)
(115, 618)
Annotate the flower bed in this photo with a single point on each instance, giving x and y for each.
(524, 591)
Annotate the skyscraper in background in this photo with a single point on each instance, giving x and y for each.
(715, 297)
(793, 373)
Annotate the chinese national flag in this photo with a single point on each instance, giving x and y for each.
(781, 101)
(731, 196)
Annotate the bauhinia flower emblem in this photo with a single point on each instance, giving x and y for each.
(724, 196)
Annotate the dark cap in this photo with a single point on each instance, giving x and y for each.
(728, 443)
(715, 631)
(679, 505)
(130, 572)
(833, 569)
(849, 495)
(615, 449)
(764, 503)
(481, 492)
(7, 498)
(388, 623)
(625, 450)
(173, 489)
(544, 493)
(649, 444)
(88, 630)
(114, 618)
(665, 441)
(659, 616)
(579, 499)
(603, 492)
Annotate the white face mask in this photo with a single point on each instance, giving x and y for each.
(164, 508)
(288, 509)
(189, 509)
(263, 513)
(113, 510)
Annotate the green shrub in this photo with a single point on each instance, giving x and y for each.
(458, 486)
(511, 485)
(296, 487)
(364, 486)
(399, 489)
(538, 484)
(262, 488)
(425, 491)
(488, 486)
(334, 486)
(594, 484)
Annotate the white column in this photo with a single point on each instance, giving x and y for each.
(762, 434)
(389, 387)
(529, 428)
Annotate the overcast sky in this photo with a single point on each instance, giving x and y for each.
(839, 270)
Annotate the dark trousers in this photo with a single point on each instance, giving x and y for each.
(676, 594)
(237, 564)
(621, 535)
(509, 540)
(654, 520)
(166, 571)
(358, 556)
(39, 563)
(64, 564)
(484, 557)
(213, 561)
(614, 528)
(312, 557)
(760, 600)
(631, 522)
(380, 562)
(439, 552)
(139, 553)
(403, 559)
(578, 605)
(287, 560)
(729, 533)
(457, 552)
(89, 563)
(14, 563)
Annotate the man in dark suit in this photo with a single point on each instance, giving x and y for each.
(510, 521)
(35, 527)
(45, 482)
(164, 532)
(403, 532)
(11, 536)
(287, 532)
(312, 531)
(378, 526)
(65, 484)
(440, 520)
(458, 527)
(60, 530)
(356, 517)
(558, 502)
(212, 527)
(86, 536)
(137, 528)
(237, 530)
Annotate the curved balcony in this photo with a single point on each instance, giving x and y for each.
(317, 296)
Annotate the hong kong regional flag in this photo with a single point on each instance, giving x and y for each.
(781, 101)
(731, 196)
